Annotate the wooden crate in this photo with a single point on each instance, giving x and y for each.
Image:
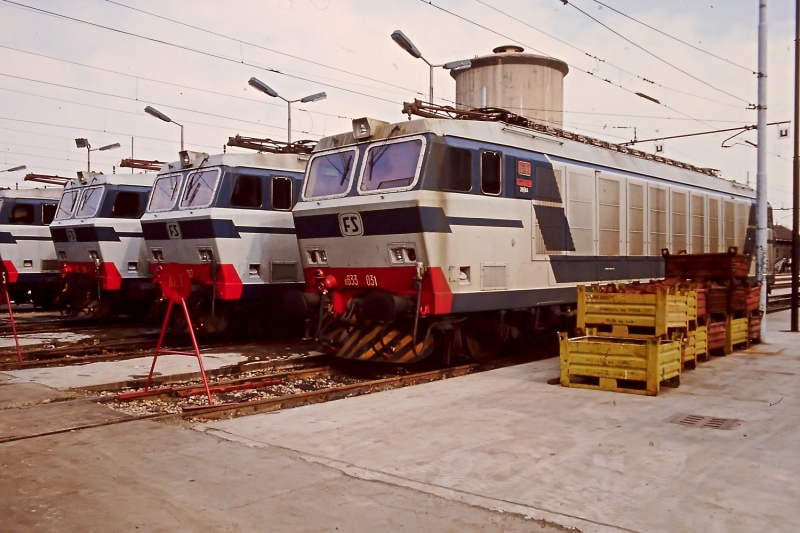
(736, 334)
(689, 356)
(636, 366)
(716, 335)
(631, 315)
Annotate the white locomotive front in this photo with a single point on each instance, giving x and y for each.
(26, 248)
(470, 234)
(99, 244)
(225, 221)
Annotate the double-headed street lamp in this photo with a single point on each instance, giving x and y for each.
(405, 43)
(266, 89)
(84, 143)
(14, 169)
(153, 112)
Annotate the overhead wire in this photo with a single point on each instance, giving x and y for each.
(193, 50)
(748, 69)
(601, 60)
(606, 80)
(654, 55)
(153, 80)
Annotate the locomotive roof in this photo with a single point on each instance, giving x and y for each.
(141, 179)
(52, 193)
(285, 162)
(581, 149)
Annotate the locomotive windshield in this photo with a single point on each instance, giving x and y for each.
(391, 166)
(89, 202)
(67, 204)
(330, 174)
(165, 191)
(199, 190)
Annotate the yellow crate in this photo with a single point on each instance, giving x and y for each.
(632, 315)
(601, 362)
(701, 343)
(689, 359)
(736, 334)
(691, 304)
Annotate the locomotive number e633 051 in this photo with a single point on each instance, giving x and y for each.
(351, 280)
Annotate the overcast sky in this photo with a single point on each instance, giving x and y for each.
(62, 78)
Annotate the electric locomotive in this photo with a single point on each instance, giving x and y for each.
(100, 247)
(467, 234)
(26, 248)
(224, 221)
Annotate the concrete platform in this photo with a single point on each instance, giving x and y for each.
(597, 461)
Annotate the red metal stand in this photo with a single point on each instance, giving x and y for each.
(176, 287)
(7, 298)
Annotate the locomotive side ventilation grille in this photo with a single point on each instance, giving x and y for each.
(283, 271)
(493, 276)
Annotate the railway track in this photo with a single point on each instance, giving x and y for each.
(257, 388)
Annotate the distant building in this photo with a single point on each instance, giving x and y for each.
(782, 246)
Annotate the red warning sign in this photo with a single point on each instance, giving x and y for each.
(523, 168)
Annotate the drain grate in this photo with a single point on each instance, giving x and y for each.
(700, 421)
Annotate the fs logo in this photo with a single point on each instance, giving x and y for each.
(350, 224)
(71, 235)
(173, 230)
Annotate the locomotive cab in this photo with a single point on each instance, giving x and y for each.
(99, 243)
(26, 248)
(224, 221)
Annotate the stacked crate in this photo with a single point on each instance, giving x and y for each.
(631, 339)
(731, 315)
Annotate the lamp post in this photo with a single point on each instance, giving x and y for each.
(269, 91)
(84, 143)
(14, 169)
(405, 43)
(153, 112)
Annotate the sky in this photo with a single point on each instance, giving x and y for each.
(87, 68)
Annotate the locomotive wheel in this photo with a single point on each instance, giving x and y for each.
(217, 323)
(478, 340)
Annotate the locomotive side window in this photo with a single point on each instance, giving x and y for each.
(330, 175)
(658, 220)
(456, 174)
(21, 214)
(48, 213)
(89, 202)
(608, 211)
(67, 204)
(698, 224)
(713, 225)
(679, 220)
(390, 166)
(281, 193)
(247, 192)
(200, 187)
(581, 212)
(636, 219)
(165, 192)
(127, 204)
(491, 172)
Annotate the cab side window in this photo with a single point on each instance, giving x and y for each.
(247, 192)
(491, 172)
(48, 213)
(281, 193)
(21, 214)
(456, 172)
(128, 204)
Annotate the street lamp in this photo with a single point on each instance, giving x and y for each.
(405, 43)
(153, 112)
(14, 169)
(269, 91)
(84, 143)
